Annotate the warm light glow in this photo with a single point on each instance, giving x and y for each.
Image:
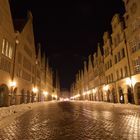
(84, 93)
(12, 84)
(54, 96)
(94, 90)
(88, 92)
(105, 88)
(35, 89)
(45, 93)
(130, 82)
(17, 41)
(76, 96)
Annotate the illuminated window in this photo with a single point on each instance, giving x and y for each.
(3, 46)
(7, 48)
(10, 51)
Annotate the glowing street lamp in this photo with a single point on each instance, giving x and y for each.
(35, 90)
(45, 93)
(105, 88)
(13, 84)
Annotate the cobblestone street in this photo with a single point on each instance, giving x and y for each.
(74, 121)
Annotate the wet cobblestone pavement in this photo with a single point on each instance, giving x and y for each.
(74, 121)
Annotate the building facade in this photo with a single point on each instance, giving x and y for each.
(115, 76)
(24, 73)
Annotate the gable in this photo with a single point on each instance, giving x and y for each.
(5, 16)
(28, 33)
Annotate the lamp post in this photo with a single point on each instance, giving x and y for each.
(13, 83)
(13, 86)
(34, 90)
(45, 93)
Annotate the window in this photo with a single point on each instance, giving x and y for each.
(136, 65)
(10, 52)
(115, 59)
(6, 48)
(123, 53)
(119, 56)
(121, 72)
(5, 64)
(125, 71)
(3, 46)
(117, 74)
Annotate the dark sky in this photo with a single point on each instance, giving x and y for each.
(68, 30)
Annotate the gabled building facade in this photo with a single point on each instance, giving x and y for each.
(116, 73)
(24, 73)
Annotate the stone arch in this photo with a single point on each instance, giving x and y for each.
(22, 99)
(32, 97)
(137, 93)
(121, 95)
(114, 96)
(28, 96)
(129, 94)
(13, 96)
(4, 95)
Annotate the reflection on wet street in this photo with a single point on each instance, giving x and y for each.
(74, 121)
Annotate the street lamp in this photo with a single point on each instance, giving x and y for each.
(45, 93)
(35, 90)
(12, 85)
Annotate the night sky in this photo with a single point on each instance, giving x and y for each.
(68, 30)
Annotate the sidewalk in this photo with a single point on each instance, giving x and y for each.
(114, 105)
(11, 110)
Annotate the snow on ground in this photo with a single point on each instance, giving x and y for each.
(14, 109)
(108, 105)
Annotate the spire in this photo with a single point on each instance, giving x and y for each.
(85, 67)
(77, 78)
(99, 51)
(47, 65)
(79, 75)
(39, 52)
(99, 54)
(43, 59)
(29, 15)
(82, 75)
(94, 59)
(89, 62)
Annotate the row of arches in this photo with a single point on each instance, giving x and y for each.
(10, 97)
(132, 95)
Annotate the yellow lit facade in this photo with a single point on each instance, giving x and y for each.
(25, 75)
(114, 76)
